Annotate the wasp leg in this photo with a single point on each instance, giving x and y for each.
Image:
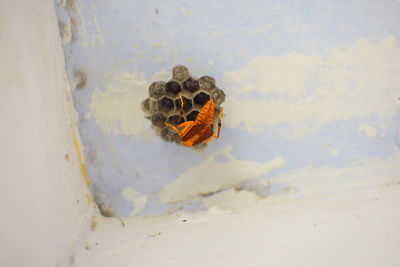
(188, 125)
(172, 127)
(219, 124)
(181, 111)
(183, 124)
(179, 119)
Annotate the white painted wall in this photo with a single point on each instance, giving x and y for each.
(356, 228)
(44, 201)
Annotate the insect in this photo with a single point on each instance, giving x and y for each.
(200, 130)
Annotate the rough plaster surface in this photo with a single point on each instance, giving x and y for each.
(44, 201)
(46, 208)
(313, 84)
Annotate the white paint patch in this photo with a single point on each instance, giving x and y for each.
(185, 11)
(262, 30)
(335, 152)
(117, 109)
(295, 27)
(231, 200)
(138, 200)
(383, 130)
(308, 91)
(162, 75)
(158, 45)
(90, 34)
(319, 181)
(210, 176)
(219, 32)
(368, 130)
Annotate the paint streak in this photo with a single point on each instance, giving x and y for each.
(81, 158)
(90, 199)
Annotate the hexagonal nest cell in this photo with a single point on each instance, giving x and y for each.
(164, 103)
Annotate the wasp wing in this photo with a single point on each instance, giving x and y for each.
(206, 135)
(195, 130)
(206, 114)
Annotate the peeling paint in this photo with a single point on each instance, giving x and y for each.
(210, 176)
(138, 200)
(116, 109)
(308, 91)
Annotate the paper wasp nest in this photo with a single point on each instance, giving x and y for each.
(164, 105)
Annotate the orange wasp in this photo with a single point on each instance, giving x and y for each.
(200, 130)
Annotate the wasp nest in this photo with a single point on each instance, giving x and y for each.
(164, 104)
